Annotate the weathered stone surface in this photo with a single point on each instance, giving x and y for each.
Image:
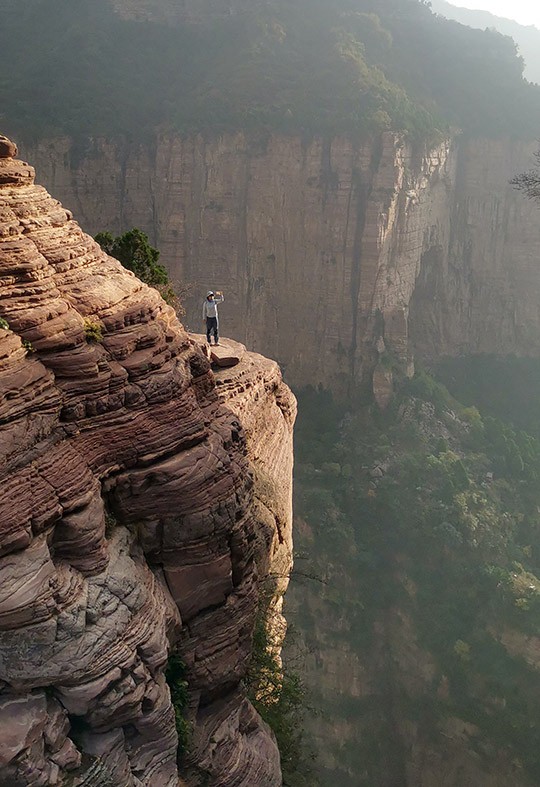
(383, 388)
(479, 293)
(233, 719)
(224, 355)
(315, 244)
(255, 392)
(8, 149)
(22, 720)
(117, 453)
(324, 246)
(15, 173)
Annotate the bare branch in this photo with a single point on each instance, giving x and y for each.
(529, 182)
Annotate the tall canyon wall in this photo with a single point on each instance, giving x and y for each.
(323, 247)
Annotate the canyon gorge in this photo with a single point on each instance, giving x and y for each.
(336, 256)
(342, 172)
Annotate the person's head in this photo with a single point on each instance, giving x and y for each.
(209, 295)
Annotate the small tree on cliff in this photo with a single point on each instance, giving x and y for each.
(529, 182)
(136, 254)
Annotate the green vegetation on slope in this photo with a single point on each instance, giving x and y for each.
(75, 67)
(175, 675)
(507, 388)
(279, 695)
(425, 523)
(136, 254)
(527, 37)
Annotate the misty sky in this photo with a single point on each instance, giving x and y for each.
(527, 12)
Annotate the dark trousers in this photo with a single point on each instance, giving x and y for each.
(212, 325)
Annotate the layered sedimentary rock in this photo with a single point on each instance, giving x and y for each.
(254, 390)
(326, 246)
(129, 522)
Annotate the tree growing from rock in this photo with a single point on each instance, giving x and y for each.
(136, 254)
(529, 182)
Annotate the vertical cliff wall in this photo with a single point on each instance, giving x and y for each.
(481, 293)
(313, 242)
(325, 246)
(132, 518)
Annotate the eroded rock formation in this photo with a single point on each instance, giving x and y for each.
(129, 518)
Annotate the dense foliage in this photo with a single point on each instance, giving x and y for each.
(93, 331)
(176, 678)
(427, 527)
(526, 37)
(76, 67)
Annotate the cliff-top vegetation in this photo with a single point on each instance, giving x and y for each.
(527, 37)
(75, 67)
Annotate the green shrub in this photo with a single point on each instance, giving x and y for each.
(470, 415)
(136, 254)
(93, 331)
(111, 524)
(332, 469)
(462, 650)
(175, 675)
(279, 695)
(428, 389)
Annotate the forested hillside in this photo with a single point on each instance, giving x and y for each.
(527, 37)
(421, 529)
(76, 67)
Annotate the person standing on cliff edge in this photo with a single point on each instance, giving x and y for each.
(210, 314)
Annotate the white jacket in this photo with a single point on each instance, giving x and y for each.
(209, 308)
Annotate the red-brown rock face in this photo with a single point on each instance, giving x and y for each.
(128, 519)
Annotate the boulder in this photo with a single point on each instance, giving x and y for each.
(8, 149)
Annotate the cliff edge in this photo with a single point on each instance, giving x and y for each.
(133, 518)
